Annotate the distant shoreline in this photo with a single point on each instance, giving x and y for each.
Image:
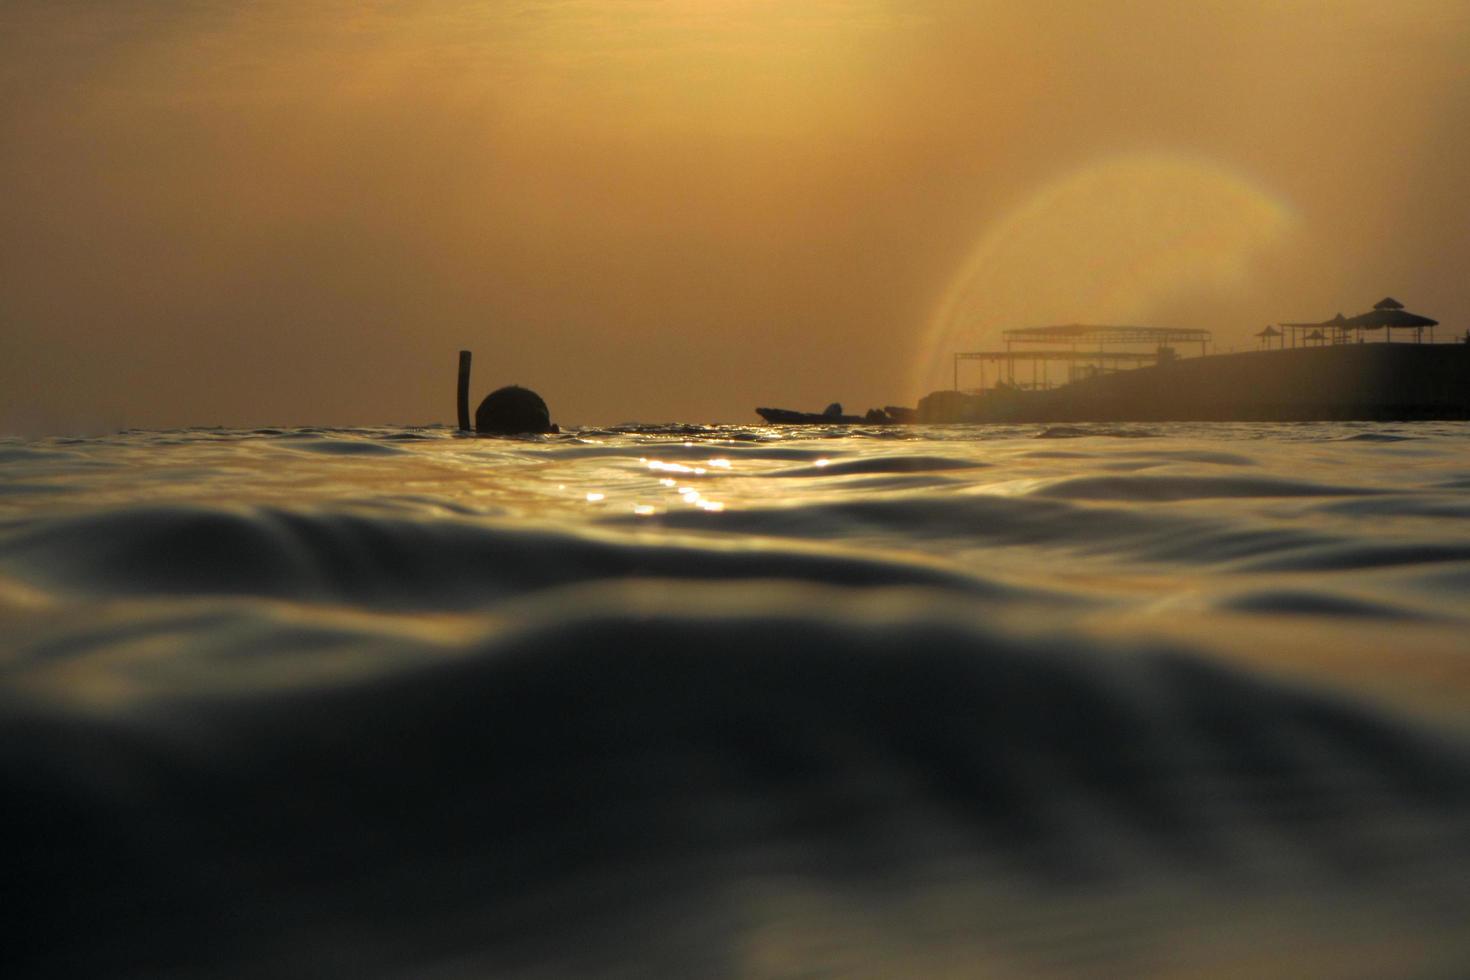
(1356, 382)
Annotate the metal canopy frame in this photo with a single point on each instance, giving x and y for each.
(1086, 345)
(1075, 333)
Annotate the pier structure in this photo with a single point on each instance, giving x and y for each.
(1085, 350)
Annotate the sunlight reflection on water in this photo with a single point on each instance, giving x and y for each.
(954, 683)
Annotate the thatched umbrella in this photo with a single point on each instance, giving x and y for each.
(1389, 318)
(1267, 334)
(1388, 303)
(1316, 336)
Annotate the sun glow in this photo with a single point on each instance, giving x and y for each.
(1113, 242)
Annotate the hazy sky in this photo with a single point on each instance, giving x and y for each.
(296, 213)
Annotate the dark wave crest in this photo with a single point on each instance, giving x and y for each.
(398, 563)
(591, 788)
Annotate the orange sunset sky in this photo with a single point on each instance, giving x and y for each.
(270, 212)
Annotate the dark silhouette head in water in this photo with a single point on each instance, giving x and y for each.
(513, 410)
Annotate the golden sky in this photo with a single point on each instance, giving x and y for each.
(286, 212)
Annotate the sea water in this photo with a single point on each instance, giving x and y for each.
(1119, 700)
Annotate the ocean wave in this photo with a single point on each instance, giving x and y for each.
(1104, 431)
(1212, 457)
(1120, 535)
(675, 700)
(398, 563)
(687, 451)
(1376, 437)
(975, 520)
(20, 454)
(1294, 602)
(1351, 555)
(1400, 505)
(34, 489)
(589, 786)
(881, 464)
(1166, 488)
(344, 447)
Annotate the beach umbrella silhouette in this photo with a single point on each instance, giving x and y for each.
(1389, 318)
(1267, 335)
